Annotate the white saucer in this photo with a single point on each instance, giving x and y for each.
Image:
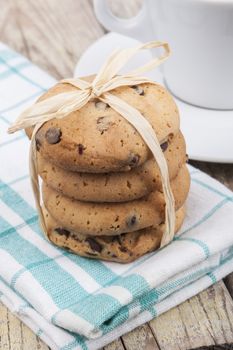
(208, 133)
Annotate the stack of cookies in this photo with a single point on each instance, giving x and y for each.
(102, 190)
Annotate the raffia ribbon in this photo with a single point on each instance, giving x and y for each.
(106, 80)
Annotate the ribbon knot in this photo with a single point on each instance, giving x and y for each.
(94, 91)
(107, 79)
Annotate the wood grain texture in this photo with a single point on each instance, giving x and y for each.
(116, 345)
(54, 36)
(205, 319)
(140, 338)
(14, 335)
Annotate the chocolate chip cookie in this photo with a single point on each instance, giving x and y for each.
(115, 187)
(97, 139)
(123, 248)
(91, 218)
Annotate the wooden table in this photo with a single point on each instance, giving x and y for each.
(53, 34)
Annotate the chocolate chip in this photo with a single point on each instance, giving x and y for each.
(164, 146)
(94, 244)
(131, 221)
(133, 160)
(53, 135)
(101, 105)
(62, 231)
(138, 89)
(81, 148)
(113, 256)
(123, 249)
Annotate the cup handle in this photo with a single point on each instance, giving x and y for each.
(136, 27)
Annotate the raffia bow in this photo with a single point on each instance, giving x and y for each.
(61, 105)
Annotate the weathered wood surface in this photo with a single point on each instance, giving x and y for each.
(14, 335)
(53, 35)
(205, 319)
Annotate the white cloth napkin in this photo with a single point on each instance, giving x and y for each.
(77, 303)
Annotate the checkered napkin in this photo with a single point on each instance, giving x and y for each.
(76, 303)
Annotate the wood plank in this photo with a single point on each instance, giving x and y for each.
(116, 345)
(221, 172)
(140, 338)
(216, 347)
(52, 36)
(15, 335)
(4, 328)
(205, 319)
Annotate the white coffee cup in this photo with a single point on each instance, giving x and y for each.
(200, 34)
